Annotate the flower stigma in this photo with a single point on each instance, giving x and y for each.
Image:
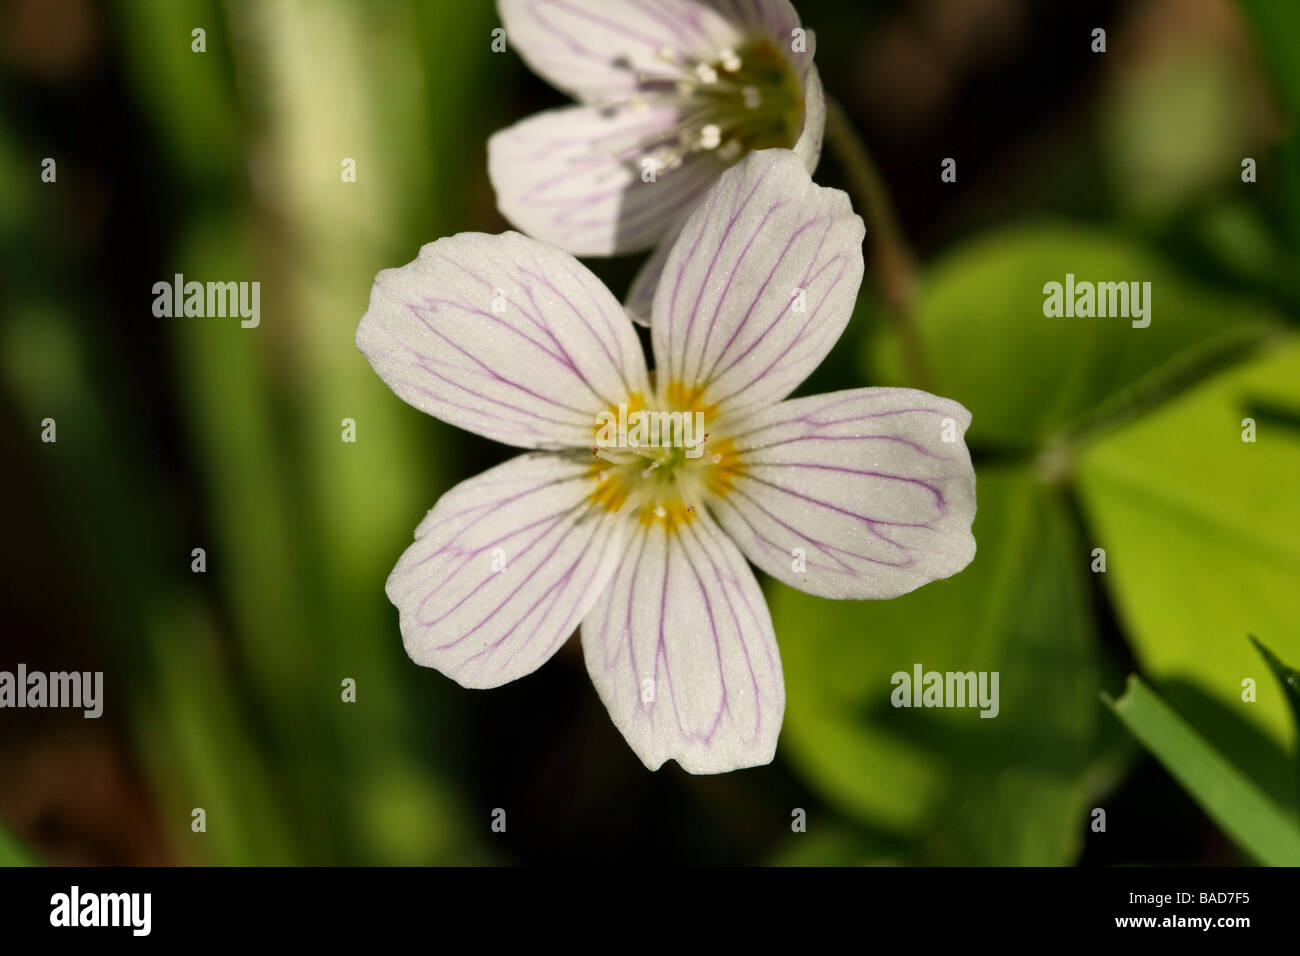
(661, 467)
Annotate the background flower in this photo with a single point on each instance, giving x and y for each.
(676, 91)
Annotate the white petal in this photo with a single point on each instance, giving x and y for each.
(503, 336)
(504, 568)
(864, 484)
(758, 286)
(593, 47)
(572, 177)
(682, 652)
(776, 19)
(809, 146)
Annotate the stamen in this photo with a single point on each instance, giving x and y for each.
(681, 490)
(737, 100)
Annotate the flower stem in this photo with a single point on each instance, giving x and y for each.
(1055, 460)
(892, 264)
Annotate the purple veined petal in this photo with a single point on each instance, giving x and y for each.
(682, 652)
(504, 568)
(591, 48)
(866, 493)
(572, 177)
(758, 286)
(505, 337)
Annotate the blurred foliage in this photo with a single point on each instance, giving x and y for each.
(1202, 530)
(954, 787)
(1039, 375)
(1087, 434)
(11, 853)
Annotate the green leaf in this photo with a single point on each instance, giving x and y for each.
(1024, 375)
(957, 788)
(1256, 824)
(1200, 532)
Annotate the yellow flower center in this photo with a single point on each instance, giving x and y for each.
(660, 462)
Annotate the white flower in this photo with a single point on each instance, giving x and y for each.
(671, 93)
(866, 493)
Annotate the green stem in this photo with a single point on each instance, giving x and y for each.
(1055, 459)
(893, 266)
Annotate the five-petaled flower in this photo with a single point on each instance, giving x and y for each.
(671, 93)
(865, 493)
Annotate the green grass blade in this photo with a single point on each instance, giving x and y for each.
(1288, 677)
(1256, 824)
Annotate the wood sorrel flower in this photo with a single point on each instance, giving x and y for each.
(866, 493)
(671, 93)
